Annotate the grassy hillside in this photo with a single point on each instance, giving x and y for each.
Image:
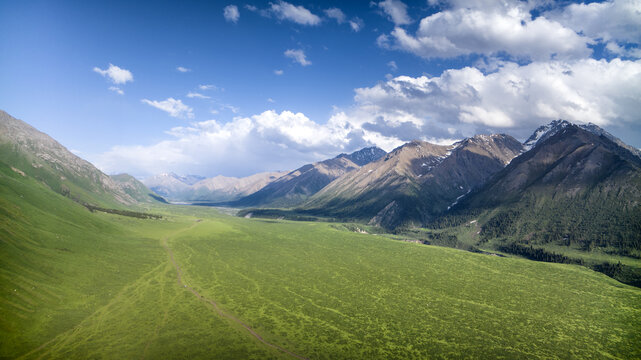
(136, 189)
(34, 154)
(76, 284)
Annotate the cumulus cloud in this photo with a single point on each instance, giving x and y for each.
(619, 50)
(509, 96)
(502, 27)
(618, 20)
(298, 56)
(231, 14)
(517, 98)
(183, 69)
(396, 11)
(173, 107)
(197, 95)
(116, 74)
(336, 14)
(298, 14)
(242, 146)
(356, 24)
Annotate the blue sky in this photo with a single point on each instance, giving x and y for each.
(273, 85)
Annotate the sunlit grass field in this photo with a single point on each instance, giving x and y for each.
(75, 284)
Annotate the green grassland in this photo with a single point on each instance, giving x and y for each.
(77, 284)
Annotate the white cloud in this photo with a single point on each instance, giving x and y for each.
(207, 87)
(231, 14)
(242, 146)
(515, 97)
(197, 95)
(116, 90)
(279, 72)
(392, 65)
(618, 50)
(183, 69)
(298, 14)
(270, 100)
(116, 74)
(231, 108)
(173, 107)
(618, 20)
(501, 27)
(336, 14)
(396, 10)
(251, 8)
(356, 24)
(298, 56)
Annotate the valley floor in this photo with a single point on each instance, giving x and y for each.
(200, 284)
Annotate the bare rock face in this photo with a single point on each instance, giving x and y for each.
(421, 179)
(295, 187)
(575, 184)
(281, 188)
(40, 156)
(573, 158)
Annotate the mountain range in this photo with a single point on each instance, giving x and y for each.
(567, 186)
(296, 186)
(415, 182)
(284, 188)
(194, 188)
(576, 186)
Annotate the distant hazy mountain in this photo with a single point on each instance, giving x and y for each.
(296, 186)
(136, 189)
(223, 188)
(414, 182)
(170, 186)
(576, 186)
(30, 152)
(189, 179)
(194, 188)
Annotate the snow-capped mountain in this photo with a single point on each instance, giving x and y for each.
(544, 132)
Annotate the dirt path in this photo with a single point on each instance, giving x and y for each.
(213, 304)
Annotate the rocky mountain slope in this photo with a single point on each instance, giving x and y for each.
(296, 186)
(576, 186)
(414, 182)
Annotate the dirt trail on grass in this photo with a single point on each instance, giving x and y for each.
(213, 304)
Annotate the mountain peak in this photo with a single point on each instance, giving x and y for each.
(543, 132)
(364, 156)
(546, 131)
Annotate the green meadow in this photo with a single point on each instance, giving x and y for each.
(76, 284)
